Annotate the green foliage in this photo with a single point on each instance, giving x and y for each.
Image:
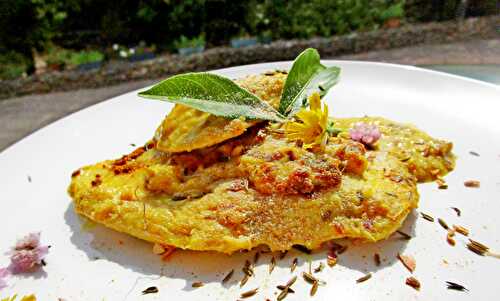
(13, 65)
(83, 57)
(184, 42)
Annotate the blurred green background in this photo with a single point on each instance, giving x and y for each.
(71, 33)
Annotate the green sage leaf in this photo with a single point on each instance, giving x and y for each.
(213, 94)
(307, 75)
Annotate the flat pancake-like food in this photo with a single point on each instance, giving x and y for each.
(426, 157)
(258, 189)
(186, 129)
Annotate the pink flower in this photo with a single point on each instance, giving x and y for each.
(27, 254)
(365, 133)
(4, 272)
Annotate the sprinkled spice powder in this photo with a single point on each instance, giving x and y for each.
(427, 217)
(364, 278)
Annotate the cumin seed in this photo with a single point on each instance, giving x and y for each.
(461, 230)
(291, 281)
(413, 282)
(459, 213)
(472, 184)
(228, 276)
(477, 247)
(256, 257)
(249, 293)
(309, 278)
(283, 294)
(427, 217)
(405, 235)
(474, 153)
(283, 287)
(364, 278)
(150, 290)
(248, 268)
(443, 224)
(197, 284)
(455, 286)
(320, 268)
(314, 288)
(244, 280)
(376, 257)
(272, 265)
(294, 264)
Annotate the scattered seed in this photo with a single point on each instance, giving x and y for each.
(405, 235)
(283, 294)
(249, 293)
(376, 257)
(291, 281)
(197, 284)
(314, 288)
(472, 184)
(282, 287)
(455, 286)
(272, 265)
(408, 262)
(443, 224)
(413, 282)
(301, 248)
(150, 290)
(309, 278)
(228, 276)
(256, 257)
(320, 268)
(461, 230)
(331, 260)
(441, 184)
(294, 264)
(364, 278)
(459, 213)
(477, 247)
(283, 254)
(449, 237)
(248, 268)
(244, 280)
(427, 217)
(29, 179)
(132, 144)
(474, 153)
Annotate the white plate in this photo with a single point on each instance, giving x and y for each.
(101, 264)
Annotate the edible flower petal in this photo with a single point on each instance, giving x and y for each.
(311, 125)
(27, 254)
(4, 272)
(366, 133)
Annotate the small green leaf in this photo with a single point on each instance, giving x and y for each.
(212, 94)
(307, 75)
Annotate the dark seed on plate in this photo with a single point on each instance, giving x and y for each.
(249, 293)
(283, 294)
(256, 257)
(405, 235)
(282, 287)
(321, 88)
(294, 264)
(272, 265)
(228, 276)
(29, 179)
(320, 268)
(413, 282)
(244, 280)
(474, 153)
(462, 230)
(427, 217)
(477, 247)
(455, 286)
(376, 257)
(150, 290)
(459, 213)
(309, 278)
(472, 184)
(248, 268)
(132, 144)
(443, 224)
(301, 248)
(314, 288)
(197, 284)
(291, 281)
(364, 278)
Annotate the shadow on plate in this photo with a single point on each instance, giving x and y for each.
(101, 243)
